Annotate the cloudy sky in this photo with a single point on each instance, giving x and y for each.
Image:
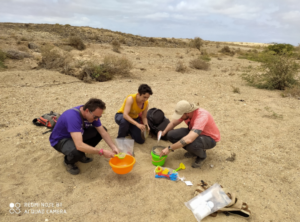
(262, 21)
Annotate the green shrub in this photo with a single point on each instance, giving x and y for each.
(2, 58)
(279, 48)
(112, 65)
(205, 58)
(199, 64)
(278, 72)
(76, 42)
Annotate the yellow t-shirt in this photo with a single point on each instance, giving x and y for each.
(135, 109)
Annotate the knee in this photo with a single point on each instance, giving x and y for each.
(139, 141)
(171, 136)
(76, 155)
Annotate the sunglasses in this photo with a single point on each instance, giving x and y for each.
(95, 117)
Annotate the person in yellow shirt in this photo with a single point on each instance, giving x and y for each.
(127, 116)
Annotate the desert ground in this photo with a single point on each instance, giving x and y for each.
(259, 126)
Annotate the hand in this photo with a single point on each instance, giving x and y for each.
(115, 150)
(141, 127)
(108, 154)
(164, 152)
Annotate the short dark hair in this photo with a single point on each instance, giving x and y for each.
(144, 88)
(93, 104)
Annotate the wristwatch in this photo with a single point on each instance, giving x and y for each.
(169, 147)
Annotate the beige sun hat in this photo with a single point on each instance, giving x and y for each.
(183, 107)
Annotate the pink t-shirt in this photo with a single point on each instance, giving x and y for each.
(202, 120)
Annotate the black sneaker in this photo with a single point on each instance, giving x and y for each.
(197, 163)
(72, 168)
(86, 160)
(189, 155)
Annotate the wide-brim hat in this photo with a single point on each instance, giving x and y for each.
(183, 107)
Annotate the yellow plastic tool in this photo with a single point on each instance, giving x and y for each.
(121, 155)
(166, 171)
(181, 167)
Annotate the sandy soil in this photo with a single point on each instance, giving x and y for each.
(259, 126)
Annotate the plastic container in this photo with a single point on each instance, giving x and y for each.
(122, 166)
(207, 202)
(125, 145)
(156, 159)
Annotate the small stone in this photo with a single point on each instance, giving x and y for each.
(211, 166)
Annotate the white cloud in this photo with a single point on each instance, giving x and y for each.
(239, 20)
(292, 16)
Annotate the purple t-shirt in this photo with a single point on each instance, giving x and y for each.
(70, 121)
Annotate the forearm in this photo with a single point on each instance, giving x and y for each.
(129, 119)
(83, 147)
(169, 127)
(108, 140)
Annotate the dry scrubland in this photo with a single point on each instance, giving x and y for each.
(257, 157)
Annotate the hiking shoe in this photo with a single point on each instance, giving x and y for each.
(197, 163)
(189, 155)
(72, 168)
(86, 160)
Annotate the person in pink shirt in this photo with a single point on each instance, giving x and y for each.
(201, 134)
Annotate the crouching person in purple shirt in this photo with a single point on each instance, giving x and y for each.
(78, 131)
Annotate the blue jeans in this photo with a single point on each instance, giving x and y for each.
(126, 128)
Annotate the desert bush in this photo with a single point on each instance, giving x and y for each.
(235, 89)
(51, 58)
(279, 48)
(196, 43)
(227, 51)
(292, 92)
(112, 65)
(116, 46)
(2, 58)
(115, 65)
(76, 42)
(95, 72)
(278, 72)
(23, 48)
(23, 39)
(152, 39)
(180, 67)
(199, 64)
(14, 54)
(205, 58)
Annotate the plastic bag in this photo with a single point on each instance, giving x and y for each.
(125, 145)
(208, 202)
(167, 173)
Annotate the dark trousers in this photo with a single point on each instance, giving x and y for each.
(126, 128)
(197, 147)
(68, 148)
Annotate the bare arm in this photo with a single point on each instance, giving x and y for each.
(193, 134)
(144, 117)
(81, 146)
(170, 126)
(127, 108)
(107, 138)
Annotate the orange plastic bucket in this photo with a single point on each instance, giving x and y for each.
(122, 166)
